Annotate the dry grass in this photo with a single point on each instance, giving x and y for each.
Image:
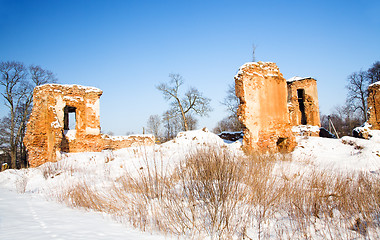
(213, 193)
(54, 169)
(21, 183)
(109, 156)
(207, 194)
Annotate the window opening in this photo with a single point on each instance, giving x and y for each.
(70, 118)
(301, 104)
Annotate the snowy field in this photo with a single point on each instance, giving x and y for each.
(36, 203)
(26, 216)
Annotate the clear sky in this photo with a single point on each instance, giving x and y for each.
(126, 48)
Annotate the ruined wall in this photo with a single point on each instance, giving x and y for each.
(48, 132)
(263, 111)
(303, 110)
(374, 106)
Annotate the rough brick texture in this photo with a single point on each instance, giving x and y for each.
(374, 106)
(262, 91)
(47, 132)
(310, 102)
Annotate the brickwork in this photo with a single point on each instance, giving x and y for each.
(48, 131)
(374, 106)
(303, 102)
(262, 91)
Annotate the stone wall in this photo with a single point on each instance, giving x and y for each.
(374, 106)
(303, 101)
(303, 105)
(262, 91)
(48, 131)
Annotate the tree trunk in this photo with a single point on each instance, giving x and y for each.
(183, 115)
(185, 122)
(23, 156)
(13, 154)
(364, 105)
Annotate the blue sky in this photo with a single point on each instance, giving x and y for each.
(126, 48)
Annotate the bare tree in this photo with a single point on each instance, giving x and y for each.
(374, 73)
(154, 125)
(344, 119)
(4, 132)
(192, 122)
(193, 101)
(358, 92)
(231, 122)
(231, 101)
(17, 84)
(228, 124)
(357, 86)
(171, 125)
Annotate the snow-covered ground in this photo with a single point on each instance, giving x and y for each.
(26, 216)
(27, 209)
(347, 153)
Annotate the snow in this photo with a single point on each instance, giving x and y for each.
(32, 213)
(254, 73)
(374, 84)
(70, 134)
(121, 138)
(86, 88)
(73, 99)
(227, 132)
(296, 78)
(55, 124)
(27, 216)
(345, 154)
(305, 128)
(249, 64)
(374, 135)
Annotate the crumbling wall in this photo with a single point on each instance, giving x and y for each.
(263, 111)
(303, 101)
(373, 101)
(48, 131)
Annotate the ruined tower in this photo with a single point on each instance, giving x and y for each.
(303, 101)
(262, 91)
(374, 105)
(65, 118)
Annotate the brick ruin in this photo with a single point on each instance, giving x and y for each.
(303, 104)
(373, 101)
(273, 110)
(263, 110)
(65, 118)
(373, 113)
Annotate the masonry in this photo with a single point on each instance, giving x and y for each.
(65, 118)
(303, 105)
(374, 106)
(263, 110)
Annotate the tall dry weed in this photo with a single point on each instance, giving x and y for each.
(215, 194)
(210, 184)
